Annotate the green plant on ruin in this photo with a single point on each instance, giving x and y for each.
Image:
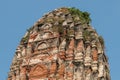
(58, 29)
(86, 35)
(101, 41)
(49, 20)
(26, 38)
(55, 28)
(84, 16)
(30, 29)
(61, 30)
(70, 32)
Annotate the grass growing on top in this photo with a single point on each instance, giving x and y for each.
(84, 16)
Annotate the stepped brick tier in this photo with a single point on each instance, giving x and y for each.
(61, 45)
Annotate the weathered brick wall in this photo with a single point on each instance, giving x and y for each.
(60, 47)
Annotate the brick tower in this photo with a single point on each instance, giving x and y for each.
(61, 45)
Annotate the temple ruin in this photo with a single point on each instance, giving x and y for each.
(62, 45)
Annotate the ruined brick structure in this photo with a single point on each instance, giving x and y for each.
(61, 46)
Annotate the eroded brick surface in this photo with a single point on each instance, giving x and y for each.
(60, 47)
